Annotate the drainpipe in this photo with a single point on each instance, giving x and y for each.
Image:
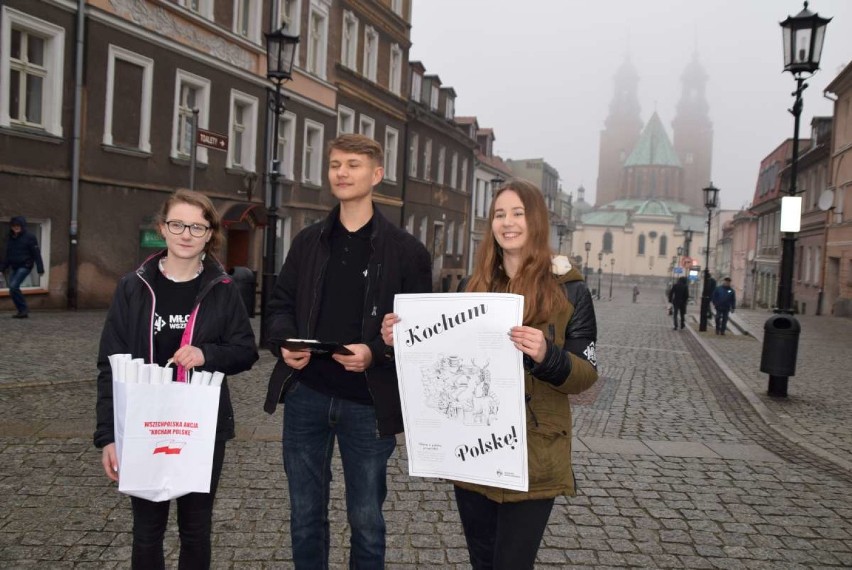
(79, 53)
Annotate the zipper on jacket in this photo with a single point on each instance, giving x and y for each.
(527, 398)
(317, 285)
(153, 316)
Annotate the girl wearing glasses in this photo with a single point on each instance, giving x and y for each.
(178, 304)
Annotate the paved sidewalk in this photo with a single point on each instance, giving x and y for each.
(816, 412)
(675, 467)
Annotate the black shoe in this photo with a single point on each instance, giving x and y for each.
(681, 326)
(20, 316)
(675, 328)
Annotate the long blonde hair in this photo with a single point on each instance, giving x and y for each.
(534, 280)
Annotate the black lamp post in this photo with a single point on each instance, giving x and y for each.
(560, 233)
(803, 36)
(280, 52)
(600, 270)
(611, 273)
(588, 247)
(687, 241)
(711, 199)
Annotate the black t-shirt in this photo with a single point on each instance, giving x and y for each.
(171, 313)
(341, 314)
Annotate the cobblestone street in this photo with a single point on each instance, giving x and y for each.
(681, 459)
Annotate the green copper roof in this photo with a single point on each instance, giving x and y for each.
(653, 147)
(615, 218)
(619, 213)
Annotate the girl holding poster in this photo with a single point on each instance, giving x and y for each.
(181, 305)
(503, 528)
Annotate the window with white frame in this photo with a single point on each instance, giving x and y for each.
(288, 15)
(479, 208)
(371, 53)
(817, 265)
(191, 92)
(413, 154)
(454, 170)
(349, 41)
(433, 100)
(242, 150)
(395, 71)
(40, 228)
(450, 111)
(345, 120)
(416, 86)
(312, 153)
(200, 7)
(442, 158)
(31, 67)
(427, 160)
(396, 6)
(451, 227)
(460, 241)
(286, 145)
(424, 228)
(391, 152)
(247, 19)
(409, 225)
(317, 41)
(464, 176)
(130, 81)
(367, 126)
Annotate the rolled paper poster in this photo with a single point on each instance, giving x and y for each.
(195, 379)
(143, 374)
(154, 373)
(217, 378)
(206, 377)
(166, 375)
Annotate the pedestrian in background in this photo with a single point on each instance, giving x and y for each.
(504, 528)
(179, 304)
(22, 254)
(679, 297)
(725, 301)
(339, 278)
(635, 292)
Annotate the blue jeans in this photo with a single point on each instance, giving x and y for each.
(17, 277)
(722, 319)
(312, 421)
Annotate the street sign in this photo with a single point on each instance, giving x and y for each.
(686, 262)
(678, 270)
(212, 140)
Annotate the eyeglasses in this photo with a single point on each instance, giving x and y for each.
(195, 230)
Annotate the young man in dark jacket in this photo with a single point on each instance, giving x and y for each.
(22, 253)
(679, 297)
(725, 301)
(338, 281)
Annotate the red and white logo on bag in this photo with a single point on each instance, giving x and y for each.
(169, 447)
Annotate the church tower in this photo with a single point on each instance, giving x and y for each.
(693, 133)
(620, 134)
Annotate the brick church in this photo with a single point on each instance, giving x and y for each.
(649, 185)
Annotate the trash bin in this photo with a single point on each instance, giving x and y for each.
(246, 282)
(780, 345)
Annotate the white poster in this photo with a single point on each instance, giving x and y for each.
(461, 382)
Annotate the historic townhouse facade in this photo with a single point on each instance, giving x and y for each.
(89, 152)
(812, 180)
(438, 177)
(838, 248)
(489, 172)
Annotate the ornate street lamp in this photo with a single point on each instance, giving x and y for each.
(600, 270)
(588, 247)
(711, 200)
(687, 240)
(611, 273)
(280, 53)
(803, 36)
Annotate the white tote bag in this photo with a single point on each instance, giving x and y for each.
(164, 436)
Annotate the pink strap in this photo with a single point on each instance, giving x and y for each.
(185, 340)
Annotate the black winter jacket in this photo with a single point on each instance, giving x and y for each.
(221, 330)
(399, 263)
(22, 249)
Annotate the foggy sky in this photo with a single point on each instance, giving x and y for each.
(540, 73)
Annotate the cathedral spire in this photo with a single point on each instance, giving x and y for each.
(693, 132)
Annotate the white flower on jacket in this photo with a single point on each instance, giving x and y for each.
(560, 265)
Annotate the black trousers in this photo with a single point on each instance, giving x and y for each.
(502, 535)
(195, 522)
(679, 310)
